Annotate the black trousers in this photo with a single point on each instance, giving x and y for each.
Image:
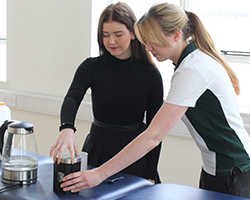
(236, 184)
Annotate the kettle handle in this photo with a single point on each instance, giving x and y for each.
(3, 128)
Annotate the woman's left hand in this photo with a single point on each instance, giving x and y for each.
(78, 181)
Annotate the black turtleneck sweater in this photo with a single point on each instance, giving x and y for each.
(122, 91)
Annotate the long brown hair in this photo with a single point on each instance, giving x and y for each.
(168, 18)
(122, 13)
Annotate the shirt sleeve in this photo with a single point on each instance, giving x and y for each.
(187, 86)
(81, 82)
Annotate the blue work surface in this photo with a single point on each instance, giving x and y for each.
(128, 188)
(178, 192)
(43, 188)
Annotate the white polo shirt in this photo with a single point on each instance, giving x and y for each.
(213, 119)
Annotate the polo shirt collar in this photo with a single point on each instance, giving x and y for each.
(189, 49)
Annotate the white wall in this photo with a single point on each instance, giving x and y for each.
(47, 40)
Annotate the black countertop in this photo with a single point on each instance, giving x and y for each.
(128, 188)
(43, 188)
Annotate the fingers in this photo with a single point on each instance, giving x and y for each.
(74, 183)
(66, 140)
(70, 177)
(76, 150)
(78, 181)
(58, 156)
(51, 150)
(151, 180)
(54, 151)
(69, 180)
(57, 151)
(76, 188)
(72, 153)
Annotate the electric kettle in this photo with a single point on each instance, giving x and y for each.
(19, 153)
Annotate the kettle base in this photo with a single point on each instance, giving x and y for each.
(19, 177)
(11, 182)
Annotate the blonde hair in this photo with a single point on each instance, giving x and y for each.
(168, 19)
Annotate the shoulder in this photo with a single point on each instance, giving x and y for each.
(153, 71)
(146, 67)
(201, 63)
(91, 63)
(198, 59)
(150, 73)
(92, 60)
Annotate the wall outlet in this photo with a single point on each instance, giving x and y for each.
(9, 99)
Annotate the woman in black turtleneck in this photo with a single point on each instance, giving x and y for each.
(125, 87)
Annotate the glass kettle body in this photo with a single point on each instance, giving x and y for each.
(19, 153)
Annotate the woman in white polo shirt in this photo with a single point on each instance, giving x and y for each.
(203, 93)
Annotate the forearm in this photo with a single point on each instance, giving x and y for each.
(75, 94)
(68, 110)
(162, 123)
(131, 153)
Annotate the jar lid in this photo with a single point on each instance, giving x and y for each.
(66, 158)
(20, 127)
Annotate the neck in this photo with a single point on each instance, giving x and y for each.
(179, 49)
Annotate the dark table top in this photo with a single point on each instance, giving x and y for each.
(43, 188)
(128, 188)
(178, 192)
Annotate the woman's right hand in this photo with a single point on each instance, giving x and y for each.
(66, 140)
(75, 182)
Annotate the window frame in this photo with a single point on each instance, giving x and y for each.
(166, 79)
